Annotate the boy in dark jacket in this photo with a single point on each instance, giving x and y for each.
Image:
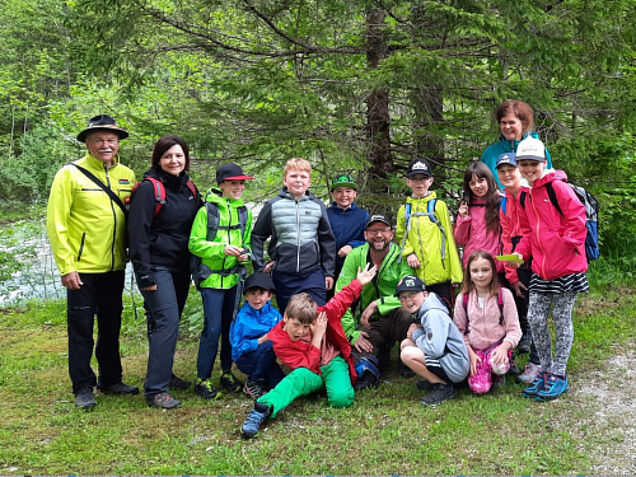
(252, 350)
(311, 341)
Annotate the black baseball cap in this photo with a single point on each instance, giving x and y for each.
(259, 280)
(410, 283)
(378, 218)
(231, 172)
(419, 166)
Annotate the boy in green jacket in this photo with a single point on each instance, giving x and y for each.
(220, 237)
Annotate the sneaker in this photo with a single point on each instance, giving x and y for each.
(253, 389)
(439, 394)
(424, 385)
(85, 399)
(163, 400)
(177, 383)
(533, 389)
(514, 369)
(230, 383)
(118, 388)
(204, 388)
(255, 419)
(555, 385)
(529, 374)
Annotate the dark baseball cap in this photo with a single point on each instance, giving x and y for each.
(419, 166)
(506, 158)
(378, 218)
(259, 280)
(231, 172)
(410, 283)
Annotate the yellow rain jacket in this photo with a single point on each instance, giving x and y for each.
(86, 228)
(424, 238)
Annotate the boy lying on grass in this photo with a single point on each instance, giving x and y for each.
(310, 340)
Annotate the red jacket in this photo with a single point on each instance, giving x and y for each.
(300, 354)
(471, 232)
(511, 227)
(556, 243)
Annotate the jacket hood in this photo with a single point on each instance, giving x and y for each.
(215, 196)
(552, 175)
(284, 192)
(421, 200)
(433, 302)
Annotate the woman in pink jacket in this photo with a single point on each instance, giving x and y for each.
(556, 243)
(486, 314)
(477, 224)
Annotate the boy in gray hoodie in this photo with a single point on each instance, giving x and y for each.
(435, 350)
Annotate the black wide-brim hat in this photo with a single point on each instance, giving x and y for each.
(105, 123)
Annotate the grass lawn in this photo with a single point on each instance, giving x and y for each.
(386, 431)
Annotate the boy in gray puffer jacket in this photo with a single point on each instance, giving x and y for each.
(435, 350)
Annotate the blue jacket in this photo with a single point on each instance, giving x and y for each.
(492, 152)
(348, 228)
(249, 325)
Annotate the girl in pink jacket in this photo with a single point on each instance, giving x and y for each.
(486, 314)
(477, 224)
(556, 243)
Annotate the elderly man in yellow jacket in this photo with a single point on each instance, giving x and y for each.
(86, 224)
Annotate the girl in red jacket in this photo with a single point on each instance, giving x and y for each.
(477, 224)
(556, 243)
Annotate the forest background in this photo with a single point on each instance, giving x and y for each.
(359, 86)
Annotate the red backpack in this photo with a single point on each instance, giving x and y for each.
(160, 192)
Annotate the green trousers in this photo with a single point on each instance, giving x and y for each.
(301, 381)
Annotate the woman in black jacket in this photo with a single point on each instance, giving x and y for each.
(161, 214)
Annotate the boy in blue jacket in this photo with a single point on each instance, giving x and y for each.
(252, 350)
(347, 220)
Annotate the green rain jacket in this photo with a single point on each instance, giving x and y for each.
(225, 268)
(382, 286)
(86, 228)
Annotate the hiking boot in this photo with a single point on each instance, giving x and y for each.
(439, 394)
(255, 419)
(230, 383)
(204, 388)
(524, 343)
(424, 385)
(529, 374)
(555, 385)
(118, 388)
(253, 389)
(534, 388)
(163, 400)
(514, 369)
(177, 383)
(85, 399)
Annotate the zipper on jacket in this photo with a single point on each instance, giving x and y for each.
(81, 249)
(112, 207)
(297, 235)
(538, 234)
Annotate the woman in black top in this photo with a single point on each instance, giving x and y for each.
(162, 210)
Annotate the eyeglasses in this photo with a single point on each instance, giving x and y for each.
(405, 296)
(378, 231)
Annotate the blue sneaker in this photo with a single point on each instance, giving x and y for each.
(555, 385)
(537, 385)
(254, 420)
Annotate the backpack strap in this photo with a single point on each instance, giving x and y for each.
(502, 204)
(160, 194)
(522, 198)
(430, 209)
(465, 305)
(190, 185)
(213, 221)
(553, 198)
(407, 228)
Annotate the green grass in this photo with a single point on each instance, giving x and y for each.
(386, 431)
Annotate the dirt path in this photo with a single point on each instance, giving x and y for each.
(608, 403)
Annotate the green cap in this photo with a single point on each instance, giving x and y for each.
(344, 180)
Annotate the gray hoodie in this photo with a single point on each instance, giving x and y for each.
(440, 339)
